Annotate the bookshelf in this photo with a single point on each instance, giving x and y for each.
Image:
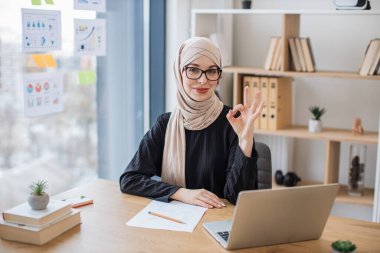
(290, 27)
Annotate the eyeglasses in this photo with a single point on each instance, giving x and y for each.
(194, 73)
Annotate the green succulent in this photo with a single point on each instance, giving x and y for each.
(317, 112)
(39, 187)
(343, 246)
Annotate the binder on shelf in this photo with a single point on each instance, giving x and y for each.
(271, 51)
(255, 84)
(264, 97)
(369, 57)
(301, 56)
(280, 103)
(294, 54)
(246, 81)
(309, 60)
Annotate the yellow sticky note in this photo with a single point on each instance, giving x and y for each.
(49, 60)
(36, 2)
(39, 60)
(82, 77)
(49, 1)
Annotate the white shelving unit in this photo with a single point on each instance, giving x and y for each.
(206, 22)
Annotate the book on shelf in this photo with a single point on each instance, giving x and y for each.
(294, 54)
(277, 55)
(375, 63)
(369, 57)
(24, 214)
(301, 55)
(280, 103)
(280, 57)
(39, 235)
(308, 54)
(271, 51)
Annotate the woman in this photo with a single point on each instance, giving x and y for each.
(202, 150)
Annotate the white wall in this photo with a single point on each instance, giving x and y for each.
(338, 43)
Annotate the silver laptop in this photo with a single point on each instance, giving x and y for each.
(275, 216)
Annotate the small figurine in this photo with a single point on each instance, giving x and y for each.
(357, 129)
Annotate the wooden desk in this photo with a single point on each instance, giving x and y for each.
(103, 229)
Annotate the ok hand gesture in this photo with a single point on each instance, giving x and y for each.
(243, 125)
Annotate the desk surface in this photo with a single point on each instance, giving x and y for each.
(103, 229)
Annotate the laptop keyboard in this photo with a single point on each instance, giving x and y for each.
(224, 235)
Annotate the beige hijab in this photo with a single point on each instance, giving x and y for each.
(188, 114)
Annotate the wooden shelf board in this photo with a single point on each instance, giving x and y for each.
(331, 134)
(333, 74)
(284, 11)
(367, 199)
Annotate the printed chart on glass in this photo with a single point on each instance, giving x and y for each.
(43, 93)
(41, 30)
(90, 37)
(95, 5)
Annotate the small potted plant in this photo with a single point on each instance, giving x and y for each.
(315, 123)
(38, 198)
(246, 4)
(343, 247)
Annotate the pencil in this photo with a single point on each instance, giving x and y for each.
(166, 217)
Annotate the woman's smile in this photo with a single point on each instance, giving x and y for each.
(201, 90)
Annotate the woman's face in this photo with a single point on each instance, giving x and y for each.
(201, 88)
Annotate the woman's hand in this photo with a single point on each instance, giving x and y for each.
(199, 197)
(243, 125)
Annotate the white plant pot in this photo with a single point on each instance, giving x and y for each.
(38, 202)
(315, 125)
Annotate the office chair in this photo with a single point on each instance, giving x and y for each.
(264, 166)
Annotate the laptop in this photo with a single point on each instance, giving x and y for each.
(275, 216)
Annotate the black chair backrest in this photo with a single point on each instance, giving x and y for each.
(264, 166)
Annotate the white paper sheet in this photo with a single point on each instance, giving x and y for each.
(94, 5)
(189, 214)
(41, 30)
(43, 93)
(90, 37)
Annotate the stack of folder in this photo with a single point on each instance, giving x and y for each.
(276, 93)
(38, 227)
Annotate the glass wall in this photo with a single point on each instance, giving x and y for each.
(61, 147)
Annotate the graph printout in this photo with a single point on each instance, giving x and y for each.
(43, 93)
(90, 37)
(41, 30)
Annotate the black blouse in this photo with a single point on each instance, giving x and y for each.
(213, 161)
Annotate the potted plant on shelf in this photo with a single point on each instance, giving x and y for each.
(315, 123)
(343, 247)
(246, 4)
(38, 198)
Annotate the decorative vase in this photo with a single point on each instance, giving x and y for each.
(38, 202)
(246, 4)
(356, 169)
(315, 125)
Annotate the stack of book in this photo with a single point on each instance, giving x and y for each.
(301, 54)
(23, 224)
(371, 62)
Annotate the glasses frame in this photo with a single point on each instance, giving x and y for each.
(203, 72)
